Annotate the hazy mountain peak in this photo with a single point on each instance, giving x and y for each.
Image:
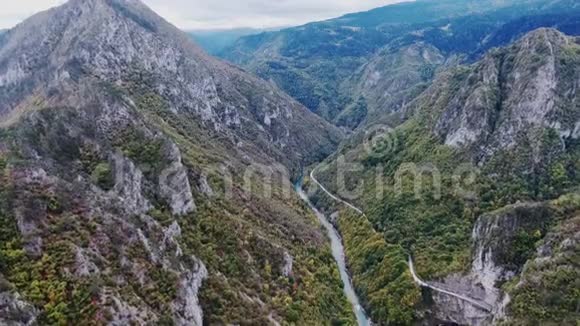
(509, 94)
(113, 40)
(135, 5)
(543, 36)
(121, 116)
(80, 20)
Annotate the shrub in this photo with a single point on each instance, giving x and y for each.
(103, 176)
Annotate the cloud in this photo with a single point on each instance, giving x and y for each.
(211, 14)
(14, 12)
(219, 14)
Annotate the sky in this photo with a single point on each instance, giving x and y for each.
(217, 14)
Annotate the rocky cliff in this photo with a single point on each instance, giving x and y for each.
(531, 84)
(472, 183)
(146, 182)
(502, 242)
(389, 81)
(520, 99)
(125, 45)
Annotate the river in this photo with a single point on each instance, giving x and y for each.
(338, 254)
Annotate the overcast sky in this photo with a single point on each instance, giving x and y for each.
(217, 14)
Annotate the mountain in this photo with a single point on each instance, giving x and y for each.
(566, 22)
(146, 182)
(390, 79)
(315, 63)
(479, 184)
(222, 97)
(216, 41)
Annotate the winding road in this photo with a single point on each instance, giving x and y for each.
(478, 304)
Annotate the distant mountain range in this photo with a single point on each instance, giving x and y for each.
(318, 63)
(216, 41)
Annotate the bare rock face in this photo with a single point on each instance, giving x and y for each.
(390, 80)
(466, 117)
(174, 184)
(123, 42)
(509, 94)
(128, 181)
(14, 311)
(204, 186)
(288, 263)
(493, 263)
(106, 111)
(187, 305)
(122, 312)
(452, 309)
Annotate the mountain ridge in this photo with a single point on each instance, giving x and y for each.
(477, 179)
(115, 65)
(144, 181)
(315, 63)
